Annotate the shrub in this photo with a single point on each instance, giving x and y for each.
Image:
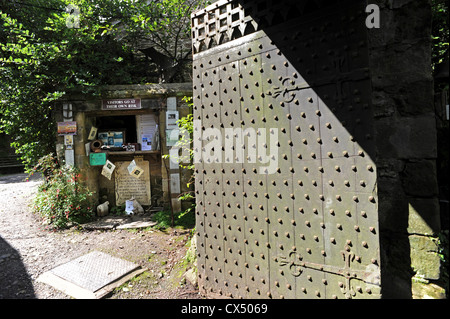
(181, 220)
(62, 199)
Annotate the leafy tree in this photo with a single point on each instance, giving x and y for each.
(26, 88)
(42, 56)
(440, 64)
(158, 29)
(440, 38)
(440, 29)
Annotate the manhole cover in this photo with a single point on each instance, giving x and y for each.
(91, 276)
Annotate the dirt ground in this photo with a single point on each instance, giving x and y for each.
(27, 250)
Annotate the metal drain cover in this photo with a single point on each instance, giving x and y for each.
(91, 276)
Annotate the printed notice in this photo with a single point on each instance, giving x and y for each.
(126, 186)
(121, 104)
(108, 169)
(135, 170)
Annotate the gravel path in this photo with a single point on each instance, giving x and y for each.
(27, 250)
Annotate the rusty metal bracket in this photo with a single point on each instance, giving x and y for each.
(371, 275)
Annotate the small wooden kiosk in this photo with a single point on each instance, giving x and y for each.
(118, 139)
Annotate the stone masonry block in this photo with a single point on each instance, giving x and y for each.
(406, 98)
(393, 205)
(423, 216)
(401, 20)
(408, 62)
(419, 178)
(424, 258)
(407, 137)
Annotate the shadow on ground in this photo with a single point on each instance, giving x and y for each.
(15, 282)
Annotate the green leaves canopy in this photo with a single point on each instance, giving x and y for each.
(41, 58)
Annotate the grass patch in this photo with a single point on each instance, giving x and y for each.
(183, 220)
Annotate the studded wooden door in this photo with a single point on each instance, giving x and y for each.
(285, 184)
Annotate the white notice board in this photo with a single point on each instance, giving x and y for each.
(146, 128)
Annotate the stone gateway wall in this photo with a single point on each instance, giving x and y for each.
(405, 126)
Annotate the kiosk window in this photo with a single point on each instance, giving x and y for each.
(122, 129)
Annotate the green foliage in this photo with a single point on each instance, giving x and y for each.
(34, 73)
(164, 24)
(41, 58)
(181, 220)
(118, 210)
(62, 199)
(440, 31)
(25, 98)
